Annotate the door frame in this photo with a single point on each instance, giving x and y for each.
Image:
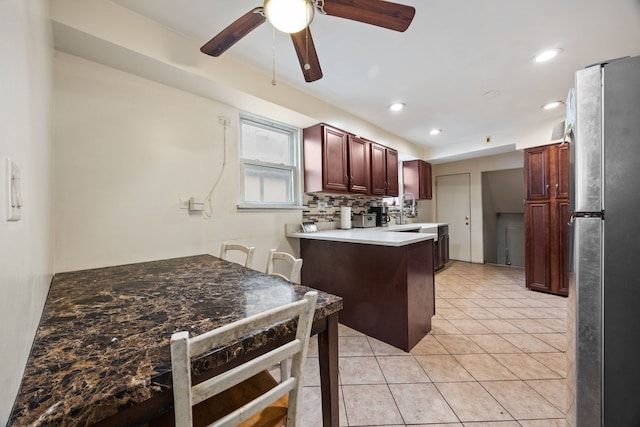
(438, 204)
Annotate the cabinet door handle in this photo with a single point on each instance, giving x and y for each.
(557, 188)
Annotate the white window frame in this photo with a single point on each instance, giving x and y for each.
(295, 143)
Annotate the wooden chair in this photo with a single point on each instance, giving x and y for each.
(294, 263)
(255, 410)
(226, 247)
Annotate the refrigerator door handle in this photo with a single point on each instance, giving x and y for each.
(599, 214)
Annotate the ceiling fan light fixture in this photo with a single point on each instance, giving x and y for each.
(289, 16)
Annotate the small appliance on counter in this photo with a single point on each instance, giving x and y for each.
(309, 227)
(382, 215)
(364, 220)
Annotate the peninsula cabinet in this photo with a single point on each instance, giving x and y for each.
(384, 170)
(416, 178)
(547, 219)
(387, 291)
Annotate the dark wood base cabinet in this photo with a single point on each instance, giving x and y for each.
(441, 248)
(441, 252)
(388, 292)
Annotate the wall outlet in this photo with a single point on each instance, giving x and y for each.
(322, 206)
(196, 204)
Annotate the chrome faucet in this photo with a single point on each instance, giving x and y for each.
(413, 206)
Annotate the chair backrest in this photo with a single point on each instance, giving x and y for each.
(183, 348)
(294, 263)
(226, 247)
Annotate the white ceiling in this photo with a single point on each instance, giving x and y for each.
(453, 53)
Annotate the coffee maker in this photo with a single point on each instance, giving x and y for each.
(382, 215)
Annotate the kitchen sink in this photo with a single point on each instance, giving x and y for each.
(416, 228)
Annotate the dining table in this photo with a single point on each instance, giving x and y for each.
(101, 354)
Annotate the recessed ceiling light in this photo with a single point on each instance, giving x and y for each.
(552, 105)
(396, 106)
(435, 131)
(491, 93)
(547, 55)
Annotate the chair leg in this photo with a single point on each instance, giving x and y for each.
(284, 370)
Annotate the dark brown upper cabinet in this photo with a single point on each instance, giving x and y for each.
(359, 169)
(336, 161)
(325, 159)
(536, 170)
(384, 170)
(416, 178)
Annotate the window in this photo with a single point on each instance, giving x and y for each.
(269, 161)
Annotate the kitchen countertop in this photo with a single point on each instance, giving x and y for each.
(393, 235)
(103, 341)
(424, 227)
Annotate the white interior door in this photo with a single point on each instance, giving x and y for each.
(453, 206)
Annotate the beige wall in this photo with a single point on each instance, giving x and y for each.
(26, 261)
(474, 167)
(136, 135)
(127, 149)
(108, 33)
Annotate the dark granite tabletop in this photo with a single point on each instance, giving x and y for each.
(103, 341)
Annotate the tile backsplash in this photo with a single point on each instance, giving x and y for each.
(314, 211)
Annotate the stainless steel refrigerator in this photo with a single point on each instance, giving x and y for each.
(605, 160)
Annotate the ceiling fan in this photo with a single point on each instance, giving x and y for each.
(284, 13)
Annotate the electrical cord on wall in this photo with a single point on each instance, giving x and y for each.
(225, 124)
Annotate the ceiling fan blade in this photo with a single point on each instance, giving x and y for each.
(381, 13)
(307, 55)
(234, 32)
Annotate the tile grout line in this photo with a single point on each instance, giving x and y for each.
(470, 287)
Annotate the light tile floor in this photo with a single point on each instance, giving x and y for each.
(495, 356)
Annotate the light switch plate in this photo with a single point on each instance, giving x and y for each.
(12, 191)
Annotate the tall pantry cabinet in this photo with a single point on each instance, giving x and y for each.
(547, 218)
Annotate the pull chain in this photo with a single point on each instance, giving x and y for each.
(273, 50)
(307, 67)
